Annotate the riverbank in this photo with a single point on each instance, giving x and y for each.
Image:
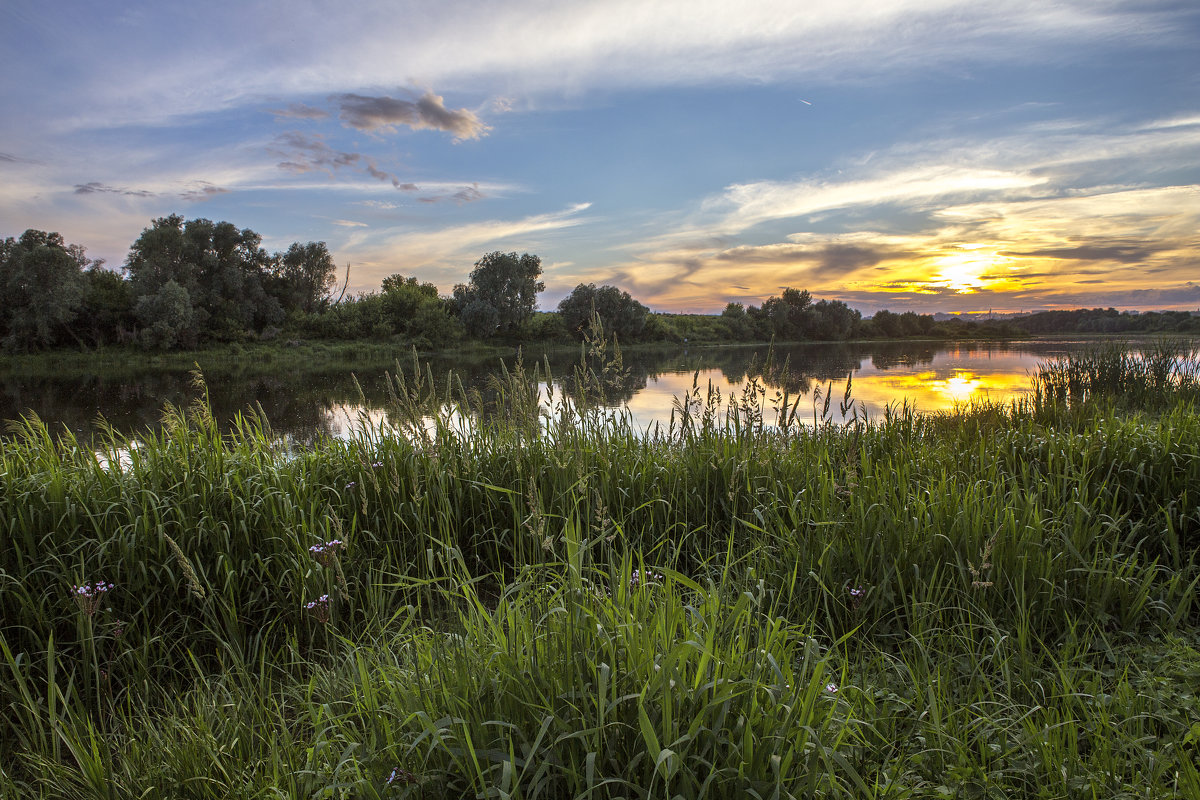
(263, 357)
(999, 601)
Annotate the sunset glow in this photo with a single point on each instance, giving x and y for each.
(1004, 156)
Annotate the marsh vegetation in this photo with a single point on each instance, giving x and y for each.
(999, 601)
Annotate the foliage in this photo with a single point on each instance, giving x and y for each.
(793, 316)
(107, 314)
(41, 289)
(303, 278)
(501, 295)
(224, 272)
(622, 316)
(415, 311)
(166, 317)
(1108, 320)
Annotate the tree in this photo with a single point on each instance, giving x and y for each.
(223, 270)
(106, 315)
(166, 317)
(304, 278)
(786, 313)
(618, 311)
(507, 284)
(415, 310)
(829, 320)
(887, 324)
(737, 322)
(41, 289)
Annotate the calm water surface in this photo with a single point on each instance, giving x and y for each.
(304, 405)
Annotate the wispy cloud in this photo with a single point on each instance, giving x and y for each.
(749, 204)
(300, 111)
(467, 194)
(445, 255)
(95, 187)
(202, 190)
(380, 114)
(307, 153)
(527, 46)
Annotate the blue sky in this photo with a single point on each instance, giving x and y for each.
(935, 155)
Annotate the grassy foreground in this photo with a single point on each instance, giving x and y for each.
(1000, 602)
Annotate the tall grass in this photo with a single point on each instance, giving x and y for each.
(995, 602)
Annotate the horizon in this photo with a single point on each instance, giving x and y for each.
(938, 157)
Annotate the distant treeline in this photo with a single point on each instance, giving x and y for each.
(191, 283)
(1108, 320)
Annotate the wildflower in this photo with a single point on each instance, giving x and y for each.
(351, 485)
(327, 553)
(400, 776)
(376, 464)
(832, 688)
(856, 596)
(635, 579)
(90, 596)
(319, 608)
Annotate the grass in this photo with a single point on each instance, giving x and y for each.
(997, 602)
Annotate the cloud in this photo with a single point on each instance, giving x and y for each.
(346, 223)
(467, 194)
(749, 204)
(203, 190)
(1032, 211)
(95, 187)
(530, 46)
(1129, 253)
(829, 259)
(303, 153)
(300, 111)
(444, 255)
(376, 114)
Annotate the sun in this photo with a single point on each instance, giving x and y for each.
(963, 271)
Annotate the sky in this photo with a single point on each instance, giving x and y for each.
(929, 155)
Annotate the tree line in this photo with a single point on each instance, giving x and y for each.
(190, 283)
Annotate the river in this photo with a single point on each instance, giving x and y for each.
(304, 405)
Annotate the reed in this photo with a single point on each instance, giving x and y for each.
(1000, 601)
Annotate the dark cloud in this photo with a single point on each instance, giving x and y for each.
(10, 158)
(303, 153)
(300, 111)
(95, 187)
(826, 260)
(202, 191)
(467, 194)
(1123, 252)
(429, 111)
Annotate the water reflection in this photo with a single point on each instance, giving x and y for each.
(303, 406)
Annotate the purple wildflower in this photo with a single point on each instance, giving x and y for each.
(89, 596)
(327, 552)
(636, 578)
(319, 608)
(832, 688)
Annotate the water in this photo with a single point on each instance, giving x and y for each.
(305, 405)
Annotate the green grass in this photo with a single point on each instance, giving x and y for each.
(998, 602)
